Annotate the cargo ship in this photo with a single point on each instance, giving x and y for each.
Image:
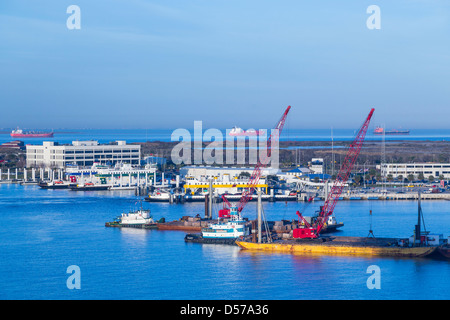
(236, 131)
(19, 133)
(380, 130)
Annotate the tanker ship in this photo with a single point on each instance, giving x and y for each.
(19, 133)
(380, 130)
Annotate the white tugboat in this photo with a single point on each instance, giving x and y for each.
(234, 228)
(134, 219)
(223, 232)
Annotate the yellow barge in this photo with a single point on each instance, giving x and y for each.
(354, 246)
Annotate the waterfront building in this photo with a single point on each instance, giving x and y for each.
(316, 165)
(404, 169)
(151, 159)
(230, 180)
(19, 145)
(81, 153)
(206, 172)
(221, 185)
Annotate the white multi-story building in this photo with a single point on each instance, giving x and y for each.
(316, 165)
(81, 153)
(405, 169)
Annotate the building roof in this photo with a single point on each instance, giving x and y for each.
(299, 170)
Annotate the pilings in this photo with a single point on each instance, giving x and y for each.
(29, 175)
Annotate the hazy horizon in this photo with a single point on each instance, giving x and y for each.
(158, 64)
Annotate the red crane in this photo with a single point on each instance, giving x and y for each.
(257, 172)
(313, 231)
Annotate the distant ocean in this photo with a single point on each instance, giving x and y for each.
(143, 135)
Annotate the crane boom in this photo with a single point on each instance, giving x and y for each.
(257, 172)
(341, 180)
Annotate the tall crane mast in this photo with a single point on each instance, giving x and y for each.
(327, 209)
(257, 172)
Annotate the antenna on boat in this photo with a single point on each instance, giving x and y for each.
(420, 221)
(370, 230)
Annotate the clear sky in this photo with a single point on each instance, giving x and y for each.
(164, 64)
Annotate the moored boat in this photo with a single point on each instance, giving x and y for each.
(135, 219)
(89, 187)
(55, 185)
(421, 244)
(224, 231)
(342, 246)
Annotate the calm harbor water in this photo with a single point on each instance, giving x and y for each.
(45, 231)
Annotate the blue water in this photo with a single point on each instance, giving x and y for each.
(45, 231)
(142, 135)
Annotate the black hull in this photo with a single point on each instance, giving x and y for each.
(197, 238)
(65, 186)
(135, 226)
(94, 188)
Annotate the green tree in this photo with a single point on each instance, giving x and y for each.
(431, 178)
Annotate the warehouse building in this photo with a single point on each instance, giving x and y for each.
(405, 169)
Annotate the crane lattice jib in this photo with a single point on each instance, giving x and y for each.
(344, 173)
(254, 179)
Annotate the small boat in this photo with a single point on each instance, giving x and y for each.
(134, 219)
(54, 185)
(89, 187)
(158, 196)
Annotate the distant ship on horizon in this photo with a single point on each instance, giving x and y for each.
(380, 130)
(236, 131)
(19, 133)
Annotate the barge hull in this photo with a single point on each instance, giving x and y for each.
(136, 226)
(352, 249)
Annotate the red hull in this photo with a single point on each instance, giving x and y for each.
(32, 135)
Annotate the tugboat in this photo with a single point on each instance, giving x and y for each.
(226, 231)
(134, 219)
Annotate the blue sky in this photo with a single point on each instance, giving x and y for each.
(164, 64)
